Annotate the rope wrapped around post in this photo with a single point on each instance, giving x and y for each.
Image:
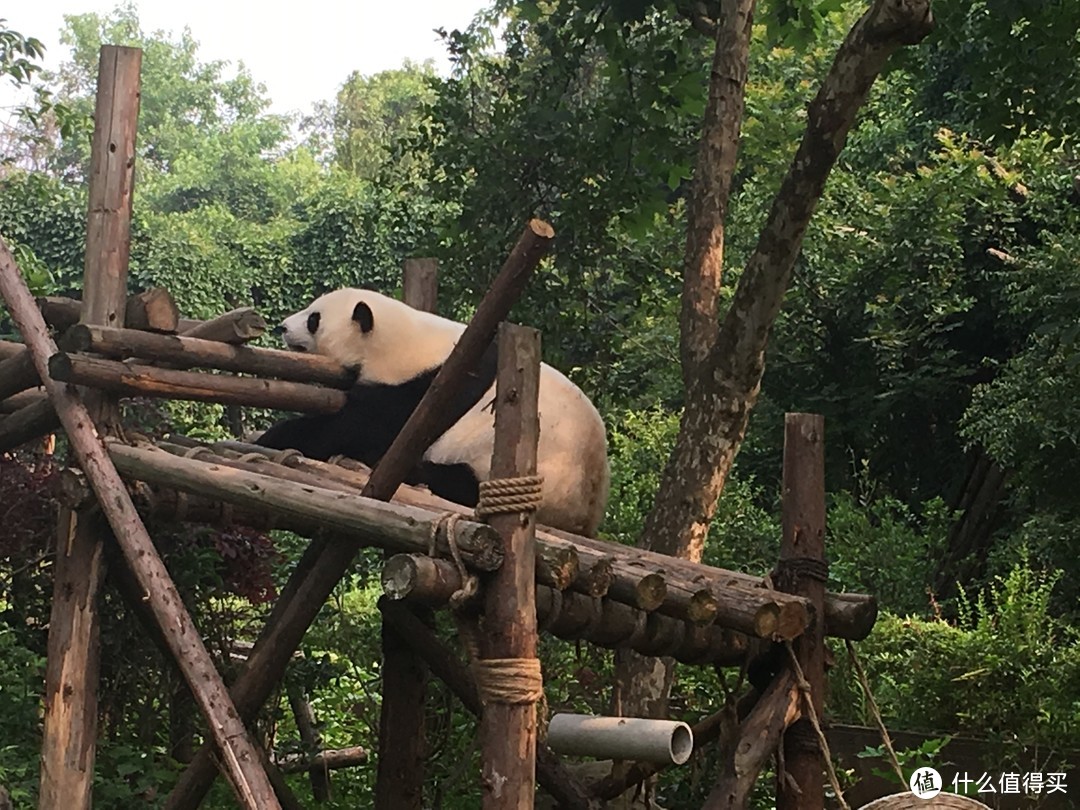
(507, 496)
(498, 680)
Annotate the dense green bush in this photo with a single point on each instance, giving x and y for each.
(1008, 670)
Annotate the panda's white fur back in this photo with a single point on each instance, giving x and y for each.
(405, 343)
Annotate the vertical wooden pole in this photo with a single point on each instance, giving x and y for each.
(399, 780)
(71, 677)
(803, 571)
(420, 284)
(508, 730)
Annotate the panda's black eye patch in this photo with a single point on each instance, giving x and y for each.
(313, 322)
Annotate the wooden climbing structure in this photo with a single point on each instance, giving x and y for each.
(518, 579)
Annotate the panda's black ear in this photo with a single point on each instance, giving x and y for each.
(362, 315)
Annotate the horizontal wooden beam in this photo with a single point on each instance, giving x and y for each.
(132, 379)
(573, 616)
(236, 326)
(62, 313)
(367, 521)
(17, 373)
(189, 352)
(28, 423)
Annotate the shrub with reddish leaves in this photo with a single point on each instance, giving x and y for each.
(248, 557)
(28, 486)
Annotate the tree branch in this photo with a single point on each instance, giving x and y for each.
(703, 270)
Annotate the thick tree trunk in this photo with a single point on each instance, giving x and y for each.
(723, 367)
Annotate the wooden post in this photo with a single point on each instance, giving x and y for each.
(420, 284)
(508, 730)
(399, 781)
(71, 677)
(803, 571)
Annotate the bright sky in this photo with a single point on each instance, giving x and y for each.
(302, 51)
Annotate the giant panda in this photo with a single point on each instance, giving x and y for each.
(396, 351)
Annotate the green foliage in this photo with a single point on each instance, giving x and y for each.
(1008, 670)
(861, 525)
(1005, 68)
(19, 55)
(21, 676)
(374, 114)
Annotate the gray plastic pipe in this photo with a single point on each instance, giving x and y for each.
(629, 738)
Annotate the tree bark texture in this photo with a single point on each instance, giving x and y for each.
(803, 571)
(717, 151)
(723, 378)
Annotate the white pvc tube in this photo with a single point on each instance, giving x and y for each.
(629, 738)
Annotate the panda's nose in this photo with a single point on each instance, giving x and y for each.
(278, 330)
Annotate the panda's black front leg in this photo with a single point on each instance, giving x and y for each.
(454, 482)
(316, 436)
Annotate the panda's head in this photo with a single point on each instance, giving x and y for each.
(380, 338)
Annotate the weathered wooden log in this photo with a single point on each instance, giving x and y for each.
(551, 774)
(508, 724)
(759, 736)
(698, 605)
(17, 373)
(153, 309)
(420, 284)
(573, 616)
(322, 565)
(188, 352)
(319, 760)
(757, 611)
(20, 400)
(420, 580)
(804, 571)
(849, 615)
(367, 521)
(331, 760)
(236, 326)
(556, 566)
(595, 577)
(238, 754)
(594, 573)
(69, 729)
(62, 313)
(10, 348)
(28, 423)
(636, 585)
(132, 379)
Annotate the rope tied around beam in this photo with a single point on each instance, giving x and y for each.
(505, 496)
(470, 583)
